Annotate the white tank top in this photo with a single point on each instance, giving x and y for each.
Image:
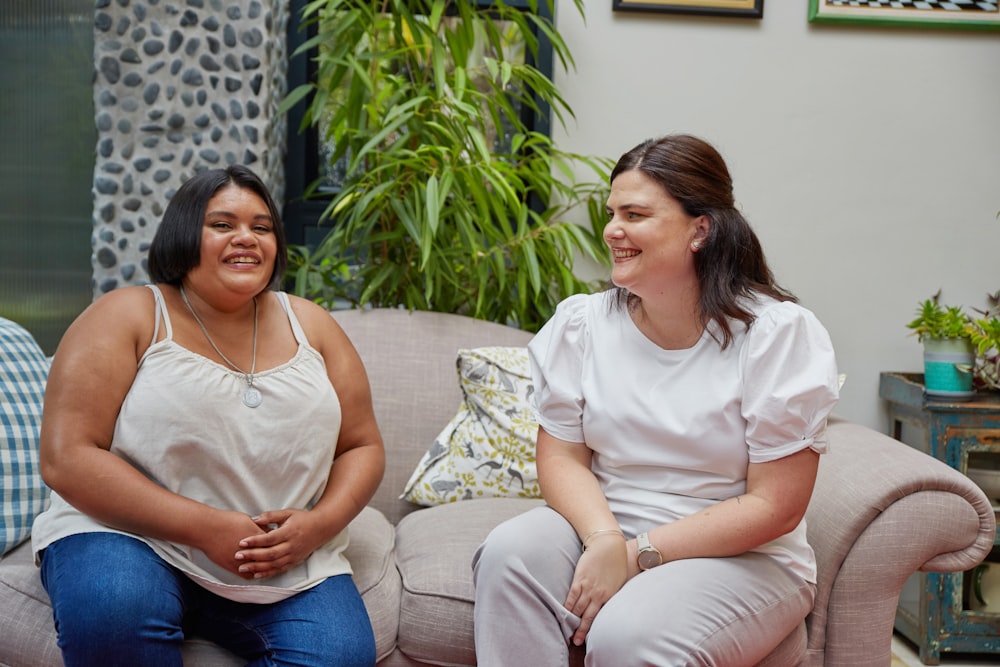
(183, 424)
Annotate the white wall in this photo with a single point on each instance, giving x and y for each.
(867, 159)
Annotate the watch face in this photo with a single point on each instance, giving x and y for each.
(649, 559)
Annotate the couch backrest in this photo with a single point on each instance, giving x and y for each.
(410, 359)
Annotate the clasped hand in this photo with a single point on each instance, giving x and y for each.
(600, 573)
(264, 545)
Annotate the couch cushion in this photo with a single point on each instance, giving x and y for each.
(23, 372)
(28, 637)
(412, 375)
(434, 548)
(487, 450)
(371, 555)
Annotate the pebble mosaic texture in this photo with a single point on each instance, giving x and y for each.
(179, 86)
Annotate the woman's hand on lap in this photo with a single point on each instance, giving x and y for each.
(222, 536)
(601, 571)
(288, 539)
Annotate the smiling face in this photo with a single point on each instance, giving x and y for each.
(238, 244)
(652, 239)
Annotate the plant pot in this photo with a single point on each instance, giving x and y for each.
(948, 364)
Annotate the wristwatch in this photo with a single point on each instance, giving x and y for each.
(649, 556)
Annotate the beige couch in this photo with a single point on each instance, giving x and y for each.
(880, 512)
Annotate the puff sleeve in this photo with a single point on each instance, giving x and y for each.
(790, 383)
(556, 356)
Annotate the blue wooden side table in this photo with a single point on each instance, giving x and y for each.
(935, 610)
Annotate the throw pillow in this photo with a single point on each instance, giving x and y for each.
(23, 372)
(488, 449)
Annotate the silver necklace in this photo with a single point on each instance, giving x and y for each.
(252, 396)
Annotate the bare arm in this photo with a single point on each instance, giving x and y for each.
(91, 373)
(570, 487)
(358, 464)
(775, 501)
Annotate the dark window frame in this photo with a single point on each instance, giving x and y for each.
(302, 215)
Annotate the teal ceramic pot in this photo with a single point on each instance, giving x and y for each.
(948, 364)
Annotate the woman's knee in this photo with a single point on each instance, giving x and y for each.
(352, 644)
(614, 635)
(522, 540)
(109, 588)
(327, 625)
(700, 612)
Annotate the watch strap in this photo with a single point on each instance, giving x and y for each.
(648, 556)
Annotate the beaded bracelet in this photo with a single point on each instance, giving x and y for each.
(605, 531)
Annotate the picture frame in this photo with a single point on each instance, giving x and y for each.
(939, 14)
(732, 8)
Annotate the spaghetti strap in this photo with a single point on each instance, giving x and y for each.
(300, 335)
(161, 310)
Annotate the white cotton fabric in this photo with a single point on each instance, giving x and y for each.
(672, 431)
(184, 426)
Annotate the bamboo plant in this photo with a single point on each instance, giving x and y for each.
(450, 201)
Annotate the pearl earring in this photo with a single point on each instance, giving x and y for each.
(695, 245)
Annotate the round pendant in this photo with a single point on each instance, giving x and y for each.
(252, 397)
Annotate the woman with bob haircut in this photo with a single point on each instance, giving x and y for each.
(207, 440)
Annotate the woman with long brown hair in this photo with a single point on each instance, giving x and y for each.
(682, 416)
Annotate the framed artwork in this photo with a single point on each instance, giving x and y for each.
(741, 8)
(954, 14)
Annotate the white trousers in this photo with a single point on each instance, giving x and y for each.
(719, 612)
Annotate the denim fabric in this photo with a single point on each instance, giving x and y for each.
(116, 602)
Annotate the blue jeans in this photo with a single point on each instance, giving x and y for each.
(116, 602)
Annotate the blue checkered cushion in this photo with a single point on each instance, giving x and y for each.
(23, 372)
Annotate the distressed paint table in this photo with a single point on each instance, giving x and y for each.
(935, 610)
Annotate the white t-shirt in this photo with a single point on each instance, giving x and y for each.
(672, 431)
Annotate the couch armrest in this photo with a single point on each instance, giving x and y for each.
(881, 511)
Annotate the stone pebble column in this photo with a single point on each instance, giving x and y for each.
(180, 86)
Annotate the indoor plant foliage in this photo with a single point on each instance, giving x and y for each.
(937, 321)
(984, 333)
(951, 330)
(949, 358)
(450, 200)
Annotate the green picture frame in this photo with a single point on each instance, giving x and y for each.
(734, 8)
(943, 14)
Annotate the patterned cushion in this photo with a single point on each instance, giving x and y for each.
(23, 372)
(488, 449)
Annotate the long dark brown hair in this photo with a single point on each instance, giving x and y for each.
(730, 265)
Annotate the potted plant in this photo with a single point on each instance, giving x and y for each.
(949, 356)
(451, 199)
(984, 333)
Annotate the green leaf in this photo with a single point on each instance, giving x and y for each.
(414, 98)
(433, 205)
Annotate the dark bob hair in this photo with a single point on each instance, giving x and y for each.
(176, 246)
(730, 265)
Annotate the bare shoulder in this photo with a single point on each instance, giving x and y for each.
(122, 320)
(129, 306)
(126, 300)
